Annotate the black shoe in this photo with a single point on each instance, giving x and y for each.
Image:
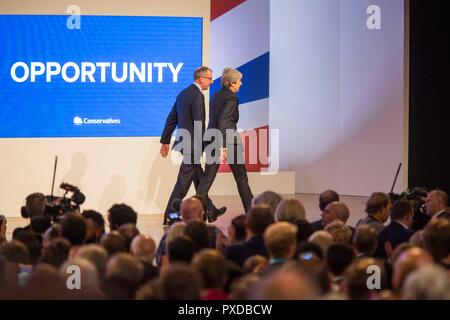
(213, 214)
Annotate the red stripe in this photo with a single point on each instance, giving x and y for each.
(259, 148)
(219, 7)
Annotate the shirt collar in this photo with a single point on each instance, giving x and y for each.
(198, 86)
(436, 215)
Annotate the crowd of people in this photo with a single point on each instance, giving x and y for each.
(270, 252)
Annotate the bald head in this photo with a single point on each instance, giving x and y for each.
(435, 202)
(191, 209)
(323, 239)
(409, 261)
(335, 210)
(286, 285)
(143, 247)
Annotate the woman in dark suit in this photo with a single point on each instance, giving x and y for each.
(223, 116)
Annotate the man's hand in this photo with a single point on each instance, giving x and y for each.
(164, 150)
(223, 154)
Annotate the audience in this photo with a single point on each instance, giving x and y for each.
(260, 259)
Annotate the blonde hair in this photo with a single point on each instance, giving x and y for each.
(279, 237)
(290, 210)
(230, 76)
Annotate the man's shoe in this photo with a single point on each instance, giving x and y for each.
(213, 214)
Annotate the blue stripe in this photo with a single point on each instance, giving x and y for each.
(255, 82)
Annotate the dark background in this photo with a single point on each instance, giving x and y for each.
(429, 95)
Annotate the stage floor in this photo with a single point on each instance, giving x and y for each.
(151, 224)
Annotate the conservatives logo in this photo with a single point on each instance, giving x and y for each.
(79, 121)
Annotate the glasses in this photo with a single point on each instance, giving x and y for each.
(209, 78)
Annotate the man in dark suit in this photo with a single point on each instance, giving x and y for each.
(227, 145)
(325, 198)
(257, 221)
(436, 205)
(188, 114)
(398, 231)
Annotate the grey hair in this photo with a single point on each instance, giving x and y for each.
(201, 72)
(428, 283)
(230, 76)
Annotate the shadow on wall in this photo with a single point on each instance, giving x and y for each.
(77, 171)
(156, 181)
(114, 193)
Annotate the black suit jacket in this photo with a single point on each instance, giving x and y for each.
(395, 233)
(238, 253)
(189, 107)
(224, 114)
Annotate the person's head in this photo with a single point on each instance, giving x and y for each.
(56, 252)
(379, 205)
(327, 197)
(286, 284)
(402, 211)
(267, 198)
(128, 231)
(365, 240)
(73, 228)
(34, 246)
(340, 232)
(40, 224)
(198, 231)
(180, 282)
(212, 267)
(95, 254)
(258, 219)
(191, 209)
(175, 230)
(181, 249)
(14, 251)
(280, 240)
(407, 262)
(335, 211)
(89, 276)
(95, 225)
(431, 282)
(35, 205)
(48, 278)
(113, 243)
(120, 214)
(236, 229)
(203, 77)
(436, 239)
(323, 239)
(356, 277)
(339, 257)
(231, 79)
(290, 210)
(435, 202)
(143, 247)
(124, 269)
(254, 264)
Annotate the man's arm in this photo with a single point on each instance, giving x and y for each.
(169, 128)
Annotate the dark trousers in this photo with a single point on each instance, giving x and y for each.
(187, 174)
(240, 176)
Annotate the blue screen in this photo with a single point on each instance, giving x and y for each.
(116, 76)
